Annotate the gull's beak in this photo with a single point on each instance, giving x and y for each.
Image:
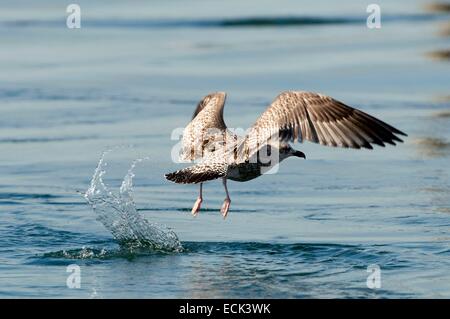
(299, 154)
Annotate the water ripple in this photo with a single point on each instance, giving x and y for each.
(240, 22)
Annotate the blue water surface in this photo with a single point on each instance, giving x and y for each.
(134, 72)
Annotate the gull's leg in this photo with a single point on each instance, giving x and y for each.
(227, 201)
(198, 202)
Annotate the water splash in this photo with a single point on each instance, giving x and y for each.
(118, 213)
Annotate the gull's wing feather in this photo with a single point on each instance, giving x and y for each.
(204, 102)
(299, 116)
(207, 123)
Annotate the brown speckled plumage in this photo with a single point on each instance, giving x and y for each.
(292, 116)
(300, 116)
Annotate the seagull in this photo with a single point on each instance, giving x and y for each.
(293, 116)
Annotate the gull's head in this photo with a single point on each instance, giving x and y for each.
(286, 151)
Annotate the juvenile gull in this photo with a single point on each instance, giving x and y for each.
(292, 116)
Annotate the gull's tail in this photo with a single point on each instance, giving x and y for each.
(197, 173)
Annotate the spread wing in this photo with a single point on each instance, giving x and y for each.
(299, 116)
(206, 128)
